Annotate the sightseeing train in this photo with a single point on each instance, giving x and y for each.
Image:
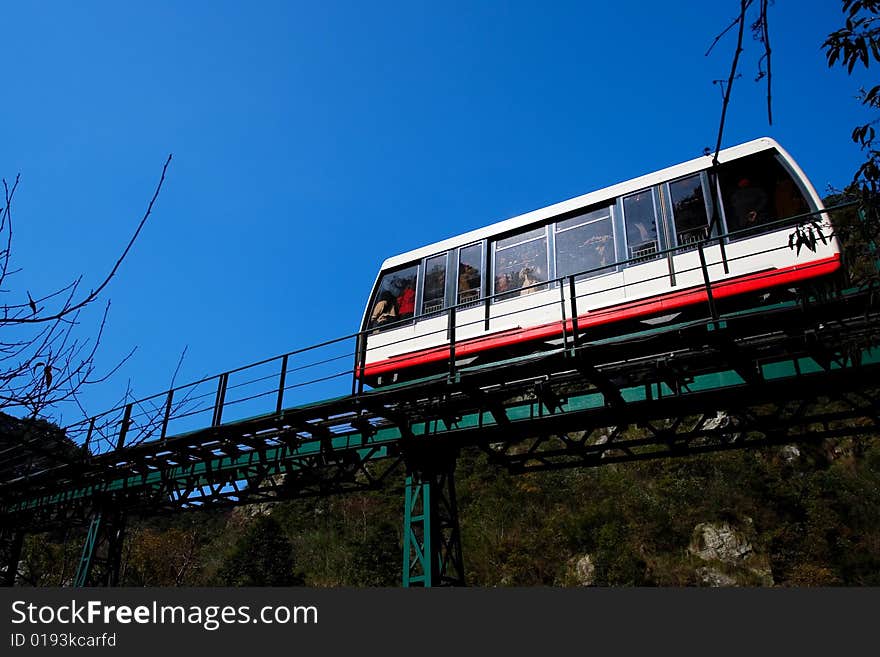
(640, 253)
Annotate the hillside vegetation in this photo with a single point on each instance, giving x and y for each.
(805, 515)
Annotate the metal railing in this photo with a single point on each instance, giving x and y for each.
(336, 368)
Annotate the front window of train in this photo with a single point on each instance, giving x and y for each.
(757, 190)
(395, 298)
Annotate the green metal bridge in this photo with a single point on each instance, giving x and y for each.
(727, 377)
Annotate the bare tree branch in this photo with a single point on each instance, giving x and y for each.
(6, 224)
(741, 20)
(43, 361)
(94, 293)
(760, 29)
(762, 24)
(720, 36)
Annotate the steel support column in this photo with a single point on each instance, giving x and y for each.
(431, 536)
(102, 550)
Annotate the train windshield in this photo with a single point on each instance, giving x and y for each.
(757, 190)
(395, 299)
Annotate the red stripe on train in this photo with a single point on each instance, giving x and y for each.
(620, 312)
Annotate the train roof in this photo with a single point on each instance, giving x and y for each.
(585, 200)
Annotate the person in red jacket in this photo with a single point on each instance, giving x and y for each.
(406, 302)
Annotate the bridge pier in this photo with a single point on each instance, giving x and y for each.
(11, 541)
(431, 535)
(102, 550)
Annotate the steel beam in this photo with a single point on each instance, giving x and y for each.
(755, 377)
(432, 553)
(102, 549)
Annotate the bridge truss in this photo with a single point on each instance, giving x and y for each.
(770, 374)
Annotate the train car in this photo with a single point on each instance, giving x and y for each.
(642, 252)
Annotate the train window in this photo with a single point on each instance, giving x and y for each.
(585, 244)
(756, 190)
(640, 219)
(470, 268)
(395, 297)
(434, 294)
(520, 263)
(689, 210)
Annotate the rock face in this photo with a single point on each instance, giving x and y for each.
(581, 571)
(714, 577)
(789, 453)
(719, 542)
(585, 570)
(249, 511)
(731, 556)
(724, 421)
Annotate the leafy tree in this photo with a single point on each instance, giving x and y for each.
(376, 561)
(263, 556)
(857, 43)
(49, 558)
(161, 558)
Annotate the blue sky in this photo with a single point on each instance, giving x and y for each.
(312, 140)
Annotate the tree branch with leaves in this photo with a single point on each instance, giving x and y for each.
(857, 44)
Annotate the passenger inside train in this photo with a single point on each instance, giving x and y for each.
(756, 191)
(395, 300)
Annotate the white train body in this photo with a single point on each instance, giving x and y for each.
(639, 242)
